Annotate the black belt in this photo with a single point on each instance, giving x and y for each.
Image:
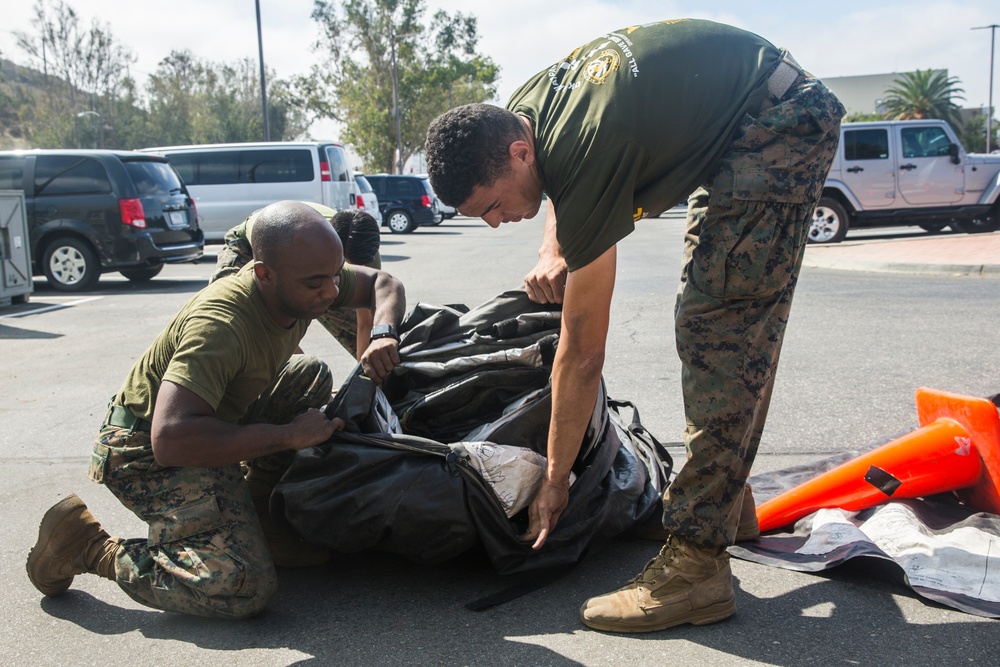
(122, 417)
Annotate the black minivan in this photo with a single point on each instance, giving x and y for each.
(95, 211)
(406, 202)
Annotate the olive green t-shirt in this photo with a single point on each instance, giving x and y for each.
(222, 345)
(630, 123)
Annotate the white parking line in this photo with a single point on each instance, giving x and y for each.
(45, 309)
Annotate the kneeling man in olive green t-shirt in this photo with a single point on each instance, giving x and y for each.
(219, 386)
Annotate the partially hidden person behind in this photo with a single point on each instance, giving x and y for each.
(217, 387)
(359, 234)
(623, 128)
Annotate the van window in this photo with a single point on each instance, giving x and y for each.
(277, 166)
(70, 175)
(363, 183)
(153, 178)
(404, 187)
(11, 173)
(250, 166)
(866, 145)
(337, 158)
(214, 168)
(378, 185)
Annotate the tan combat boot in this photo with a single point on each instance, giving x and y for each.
(748, 528)
(685, 583)
(286, 547)
(70, 542)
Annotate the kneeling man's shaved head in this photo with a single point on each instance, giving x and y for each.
(284, 228)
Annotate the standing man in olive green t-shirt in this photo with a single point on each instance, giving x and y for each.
(218, 387)
(625, 127)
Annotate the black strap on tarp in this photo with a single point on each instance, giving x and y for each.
(529, 582)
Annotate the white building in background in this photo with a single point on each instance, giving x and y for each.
(864, 94)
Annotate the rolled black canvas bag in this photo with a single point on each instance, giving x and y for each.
(408, 475)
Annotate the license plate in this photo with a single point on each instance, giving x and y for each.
(178, 218)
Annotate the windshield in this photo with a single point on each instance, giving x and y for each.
(363, 183)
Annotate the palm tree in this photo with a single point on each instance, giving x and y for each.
(923, 94)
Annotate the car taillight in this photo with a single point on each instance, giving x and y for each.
(425, 201)
(132, 213)
(324, 171)
(359, 202)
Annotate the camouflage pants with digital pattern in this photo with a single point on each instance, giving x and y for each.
(342, 323)
(205, 552)
(746, 235)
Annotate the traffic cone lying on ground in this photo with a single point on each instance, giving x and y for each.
(956, 449)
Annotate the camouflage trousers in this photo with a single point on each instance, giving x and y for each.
(205, 552)
(746, 235)
(342, 323)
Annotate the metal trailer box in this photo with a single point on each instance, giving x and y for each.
(15, 256)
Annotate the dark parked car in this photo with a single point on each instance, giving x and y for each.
(447, 212)
(95, 211)
(406, 202)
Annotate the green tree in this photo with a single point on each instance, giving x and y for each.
(924, 94)
(192, 101)
(436, 67)
(174, 98)
(974, 134)
(859, 117)
(86, 71)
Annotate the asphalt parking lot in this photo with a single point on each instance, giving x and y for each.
(857, 347)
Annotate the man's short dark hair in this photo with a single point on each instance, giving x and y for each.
(468, 147)
(359, 235)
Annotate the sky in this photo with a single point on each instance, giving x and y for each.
(844, 38)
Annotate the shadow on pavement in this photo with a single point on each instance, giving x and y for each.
(379, 609)
(16, 333)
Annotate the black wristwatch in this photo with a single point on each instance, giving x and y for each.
(384, 331)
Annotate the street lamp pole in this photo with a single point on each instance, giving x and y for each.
(263, 83)
(100, 127)
(989, 112)
(395, 103)
(395, 94)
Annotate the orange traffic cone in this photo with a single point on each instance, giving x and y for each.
(956, 449)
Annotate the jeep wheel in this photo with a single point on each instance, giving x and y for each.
(70, 265)
(400, 222)
(988, 223)
(829, 223)
(142, 274)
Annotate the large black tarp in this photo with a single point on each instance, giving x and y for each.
(467, 376)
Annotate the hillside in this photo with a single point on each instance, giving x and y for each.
(20, 87)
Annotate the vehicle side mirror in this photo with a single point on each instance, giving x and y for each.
(953, 152)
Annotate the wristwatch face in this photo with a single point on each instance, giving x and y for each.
(384, 331)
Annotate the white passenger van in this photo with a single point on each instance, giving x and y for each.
(230, 181)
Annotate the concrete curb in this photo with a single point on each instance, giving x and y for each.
(844, 264)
